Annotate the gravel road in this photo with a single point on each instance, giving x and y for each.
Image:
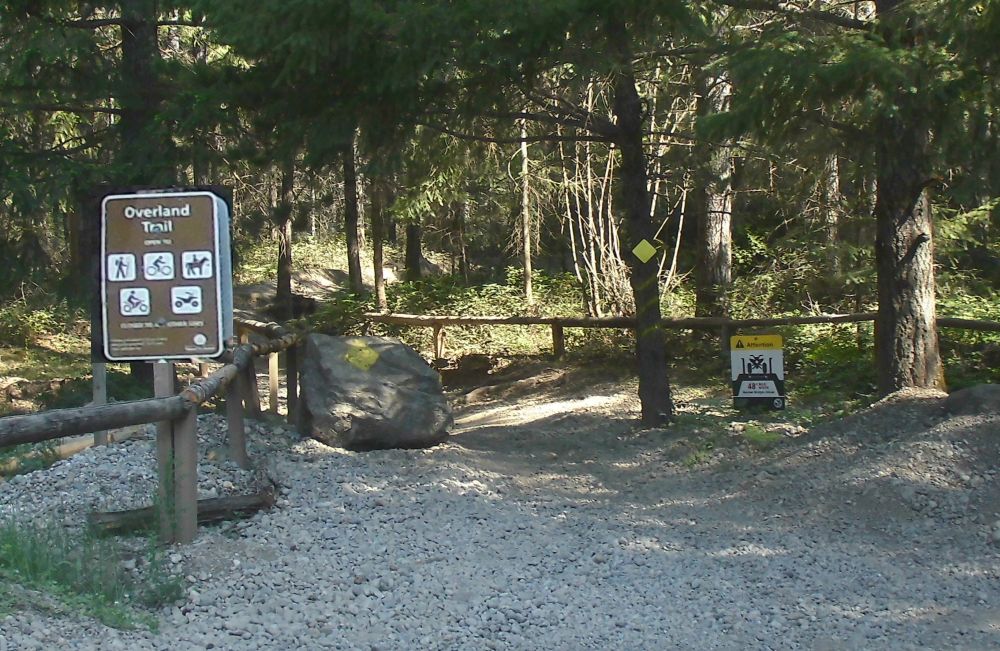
(549, 523)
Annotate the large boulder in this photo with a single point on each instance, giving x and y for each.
(367, 393)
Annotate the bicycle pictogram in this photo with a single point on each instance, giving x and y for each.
(158, 266)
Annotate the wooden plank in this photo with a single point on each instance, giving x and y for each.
(209, 510)
(163, 385)
(100, 397)
(272, 383)
(57, 423)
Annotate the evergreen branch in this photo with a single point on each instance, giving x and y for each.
(570, 108)
(182, 23)
(61, 108)
(591, 123)
(89, 23)
(843, 127)
(549, 137)
(96, 23)
(819, 15)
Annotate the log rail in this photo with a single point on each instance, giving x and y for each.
(175, 418)
(559, 323)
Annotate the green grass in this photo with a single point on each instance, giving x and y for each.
(760, 439)
(83, 573)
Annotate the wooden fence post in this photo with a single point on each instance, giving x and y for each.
(438, 341)
(237, 428)
(252, 393)
(272, 383)
(186, 477)
(177, 465)
(558, 341)
(100, 394)
(163, 386)
(292, 382)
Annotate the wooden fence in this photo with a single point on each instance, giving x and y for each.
(558, 324)
(176, 419)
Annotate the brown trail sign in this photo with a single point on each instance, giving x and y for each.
(166, 281)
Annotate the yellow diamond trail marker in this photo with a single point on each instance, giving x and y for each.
(361, 355)
(644, 251)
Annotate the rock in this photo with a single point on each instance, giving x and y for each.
(366, 393)
(972, 401)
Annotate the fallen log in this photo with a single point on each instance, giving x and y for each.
(213, 509)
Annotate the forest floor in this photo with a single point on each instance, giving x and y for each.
(724, 530)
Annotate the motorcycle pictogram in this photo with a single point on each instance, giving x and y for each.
(134, 304)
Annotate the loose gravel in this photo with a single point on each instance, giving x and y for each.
(552, 524)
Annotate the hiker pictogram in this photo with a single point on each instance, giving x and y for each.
(121, 267)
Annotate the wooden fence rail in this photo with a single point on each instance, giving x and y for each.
(176, 422)
(558, 323)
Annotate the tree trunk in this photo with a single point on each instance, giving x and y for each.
(351, 219)
(832, 200)
(283, 225)
(144, 151)
(713, 203)
(413, 253)
(651, 353)
(529, 297)
(906, 330)
(461, 219)
(907, 352)
(377, 204)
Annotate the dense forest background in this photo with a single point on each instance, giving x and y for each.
(781, 157)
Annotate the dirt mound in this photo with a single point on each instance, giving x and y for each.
(896, 415)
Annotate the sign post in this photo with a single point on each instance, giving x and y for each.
(757, 371)
(166, 294)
